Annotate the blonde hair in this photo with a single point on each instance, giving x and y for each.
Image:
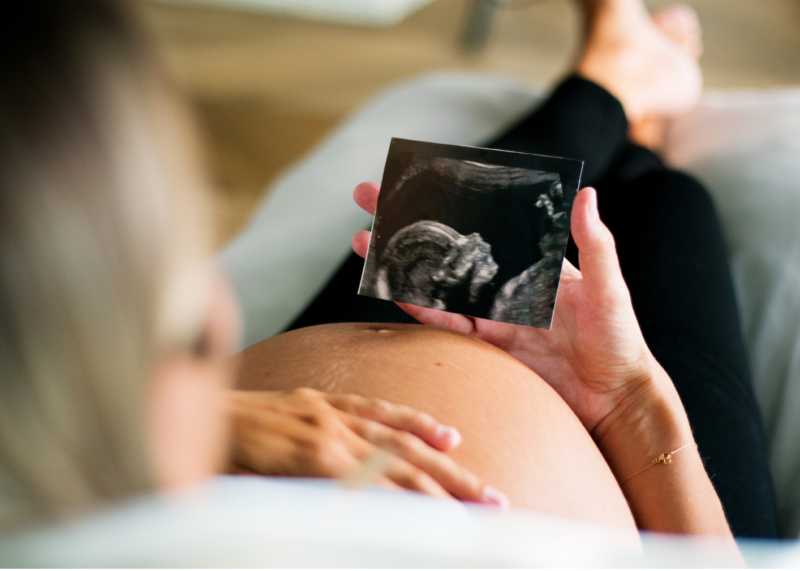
(102, 222)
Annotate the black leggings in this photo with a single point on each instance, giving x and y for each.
(674, 260)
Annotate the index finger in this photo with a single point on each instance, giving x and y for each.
(366, 196)
(445, 472)
(439, 318)
(399, 417)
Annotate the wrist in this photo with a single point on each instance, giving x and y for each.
(648, 422)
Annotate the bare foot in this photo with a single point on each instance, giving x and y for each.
(649, 64)
(681, 25)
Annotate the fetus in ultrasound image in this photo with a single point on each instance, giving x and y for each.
(430, 264)
(454, 230)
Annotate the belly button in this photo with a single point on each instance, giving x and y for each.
(378, 329)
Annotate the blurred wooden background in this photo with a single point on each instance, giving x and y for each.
(266, 89)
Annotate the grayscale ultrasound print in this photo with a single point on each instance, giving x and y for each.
(473, 231)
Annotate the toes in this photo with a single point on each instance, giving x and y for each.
(680, 23)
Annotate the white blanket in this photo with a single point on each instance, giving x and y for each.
(275, 522)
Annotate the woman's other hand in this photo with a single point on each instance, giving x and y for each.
(308, 433)
(594, 355)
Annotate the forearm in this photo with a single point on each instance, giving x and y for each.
(673, 497)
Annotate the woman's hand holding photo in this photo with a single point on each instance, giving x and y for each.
(597, 360)
(594, 355)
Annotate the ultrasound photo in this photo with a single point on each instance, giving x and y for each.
(474, 231)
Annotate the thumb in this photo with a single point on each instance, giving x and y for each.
(597, 252)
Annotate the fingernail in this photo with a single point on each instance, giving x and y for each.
(495, 497)
(448, 436)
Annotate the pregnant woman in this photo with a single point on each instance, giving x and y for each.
(112, 326)
(641, 390)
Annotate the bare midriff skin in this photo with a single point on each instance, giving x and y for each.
(518, 434)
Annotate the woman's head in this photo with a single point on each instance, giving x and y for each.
(110, 319)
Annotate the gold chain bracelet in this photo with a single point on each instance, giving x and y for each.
(663, 459)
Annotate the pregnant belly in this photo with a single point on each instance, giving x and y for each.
(518, 434)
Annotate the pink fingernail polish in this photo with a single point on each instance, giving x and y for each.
(495, 497)
(448, 436)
